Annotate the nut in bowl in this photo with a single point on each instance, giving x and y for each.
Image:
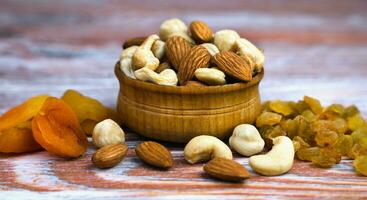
(164, 105)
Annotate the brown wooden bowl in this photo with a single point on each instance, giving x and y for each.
(179, 113)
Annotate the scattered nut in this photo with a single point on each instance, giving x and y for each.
(204, 147)
(107, 132)
(246, 140)
(154, 154)
(226, 170)
(176, 49)
(278, 160)
(144, 57)
(245, 47)
(210, 76)
(211, 48)
(136, 41)
(197, 57)
(233, 65)
(201, 32)
(109, 155)
(159, 49)
(174, 27)
(166, 77)
(225, 39)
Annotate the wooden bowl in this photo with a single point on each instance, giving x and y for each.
(179, 113)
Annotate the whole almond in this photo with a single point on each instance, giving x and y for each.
(226, 169)
(176, 49)
(154, 154)
(136, 41)
(109, 155)
(233, 65)
(201, 32)
(162, 66)
(197, 57)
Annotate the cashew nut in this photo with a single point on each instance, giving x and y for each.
(278, 160)
(210, 76)
(204, 147)
(225, 39)
(246, 140)
(245, 47)
(173, 27)
(211, 48)
(166, 77)
(158, 49)
(125, 61)
(107, 132)
(144, 57)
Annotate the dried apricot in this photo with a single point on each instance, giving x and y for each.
(314, 104)
(22, 112)
(18, 139)
(88, 126)
(85, 107)
(268, 118)
(56, 128)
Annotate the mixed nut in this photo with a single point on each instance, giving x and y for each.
(182, 54)
(192, 56)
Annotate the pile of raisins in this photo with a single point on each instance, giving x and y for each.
(321, 135)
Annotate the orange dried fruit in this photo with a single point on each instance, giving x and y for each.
(88, 126)
(18, 139)
(56, 128)
(22, 112)
(85, 107)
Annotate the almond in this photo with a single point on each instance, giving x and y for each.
(163, 66)
(136, 41)
(201, 32)
(109, 155)
(226, 169)
(197, 57)
(176, 49)
(154, 154)
(234, 65)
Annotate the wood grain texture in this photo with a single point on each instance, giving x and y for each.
(178, 114)
(318, 48)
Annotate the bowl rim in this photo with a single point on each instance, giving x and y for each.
(184, 89)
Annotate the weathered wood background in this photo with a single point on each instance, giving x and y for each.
(318, 48)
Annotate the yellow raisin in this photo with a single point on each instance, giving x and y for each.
(360, 165)
(268, 118)
(314, 104)
(281, 107)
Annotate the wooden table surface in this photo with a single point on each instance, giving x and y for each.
(318, 48)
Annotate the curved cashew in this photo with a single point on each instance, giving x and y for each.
(144, 57)
(211, 48)
(125, 61)
(225, 39)
(204, 147)
(246, 140)
(245, 47)
(166, 77)
(173, 27)
(159, 49)
(210, 76)
(277, 161)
